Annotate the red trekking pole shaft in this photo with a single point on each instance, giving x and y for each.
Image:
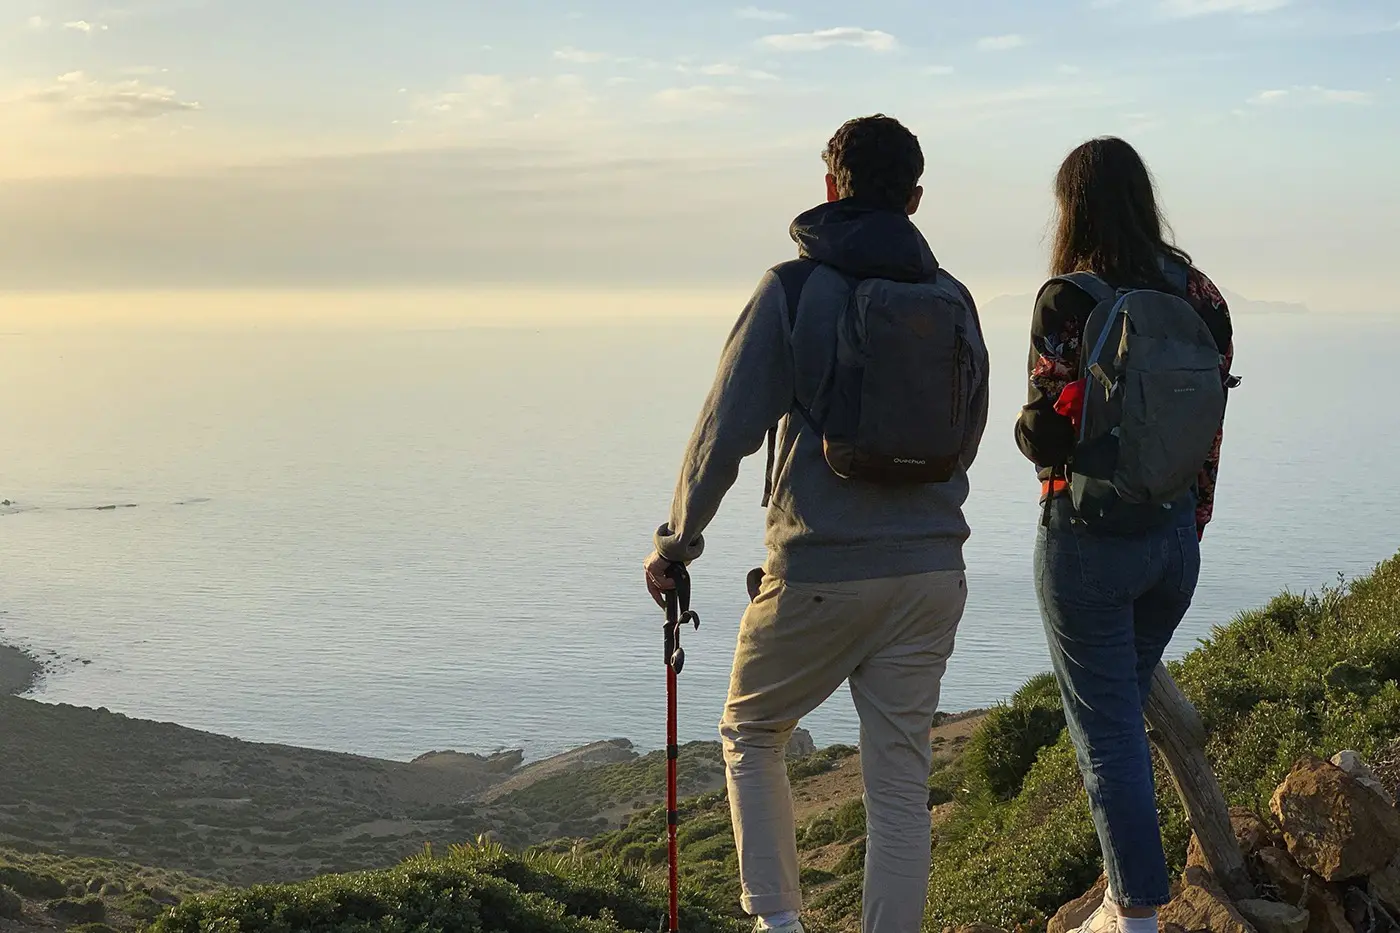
(678, 613)
(672, 811)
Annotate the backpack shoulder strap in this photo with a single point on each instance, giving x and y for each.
(1177, 275)
(793, 276)
(1088, 283)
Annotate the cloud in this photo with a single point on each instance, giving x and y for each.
(445, 217)
(937, 71)
(495, 106)
(871, 39)
(764, 16)
(1312, 94)
(77, 95)
(1001, 43)
(1190, 8)
(728, 70)
(472, 97)
(142, 71)
(36, 22)
(579, 56)
(82, 25)
(700, 98)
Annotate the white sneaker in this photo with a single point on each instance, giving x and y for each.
(792, 926)
(1103, 920)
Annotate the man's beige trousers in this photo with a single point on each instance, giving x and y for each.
(798, 642)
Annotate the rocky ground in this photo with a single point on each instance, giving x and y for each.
(19, 671)
(1324, 858)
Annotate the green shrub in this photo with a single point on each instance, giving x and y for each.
(1003, 749)
(470, 890)
(11, 907)
(93, 928)
(819, 762)
(140, 906)
(1310, 673)
(77, 909)
(853, 860)
(843, 824)
(34, 884)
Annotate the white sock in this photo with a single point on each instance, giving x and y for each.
(1138, 924)
(781, 919)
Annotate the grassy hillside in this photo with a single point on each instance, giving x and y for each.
(88, 782)
(473, 888)
(1313, 673)
(38, 891)
(1012, 839)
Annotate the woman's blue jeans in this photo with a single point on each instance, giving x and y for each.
(1110, 605)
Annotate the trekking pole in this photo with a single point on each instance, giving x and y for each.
(678, 613)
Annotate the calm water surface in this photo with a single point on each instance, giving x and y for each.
(390, 542)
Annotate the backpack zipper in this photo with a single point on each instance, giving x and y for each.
(959, 345)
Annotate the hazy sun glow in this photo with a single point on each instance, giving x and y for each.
(203, 144)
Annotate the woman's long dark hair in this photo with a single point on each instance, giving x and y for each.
(1109, 223)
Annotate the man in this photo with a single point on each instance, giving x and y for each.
(864, 579)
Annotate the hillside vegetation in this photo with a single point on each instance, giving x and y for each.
(472, 889)
(1013, 841)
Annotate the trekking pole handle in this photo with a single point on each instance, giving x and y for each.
(678, 613)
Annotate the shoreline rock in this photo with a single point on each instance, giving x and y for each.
(20, 671)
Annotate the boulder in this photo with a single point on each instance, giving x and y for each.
(1070, 916)
(1274, 917)
(1200, 906)
(1360, 909)
(1333, 824)
(1251, 833)
(1350, 762)
(1385, 887)
(1321, 900)
(801, 744)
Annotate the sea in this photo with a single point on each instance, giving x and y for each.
(394, 537)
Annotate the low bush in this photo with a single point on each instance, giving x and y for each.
(28, 883)
(77, 909)
(471, 890)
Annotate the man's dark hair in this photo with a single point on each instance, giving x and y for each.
(875, 159)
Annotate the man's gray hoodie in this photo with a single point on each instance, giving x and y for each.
(821, 528)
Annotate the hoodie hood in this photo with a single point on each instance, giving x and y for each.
(864, 242)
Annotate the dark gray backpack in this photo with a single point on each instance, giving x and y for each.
(1153, 404)
(897, 404)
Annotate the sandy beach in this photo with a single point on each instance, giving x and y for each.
(19, 672)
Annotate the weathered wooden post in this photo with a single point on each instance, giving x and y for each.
(1176, 729)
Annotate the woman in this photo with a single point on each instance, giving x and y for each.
(1111, 598)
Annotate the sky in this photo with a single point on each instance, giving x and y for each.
(666, 144)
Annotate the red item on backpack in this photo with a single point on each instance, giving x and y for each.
(1071, 402)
